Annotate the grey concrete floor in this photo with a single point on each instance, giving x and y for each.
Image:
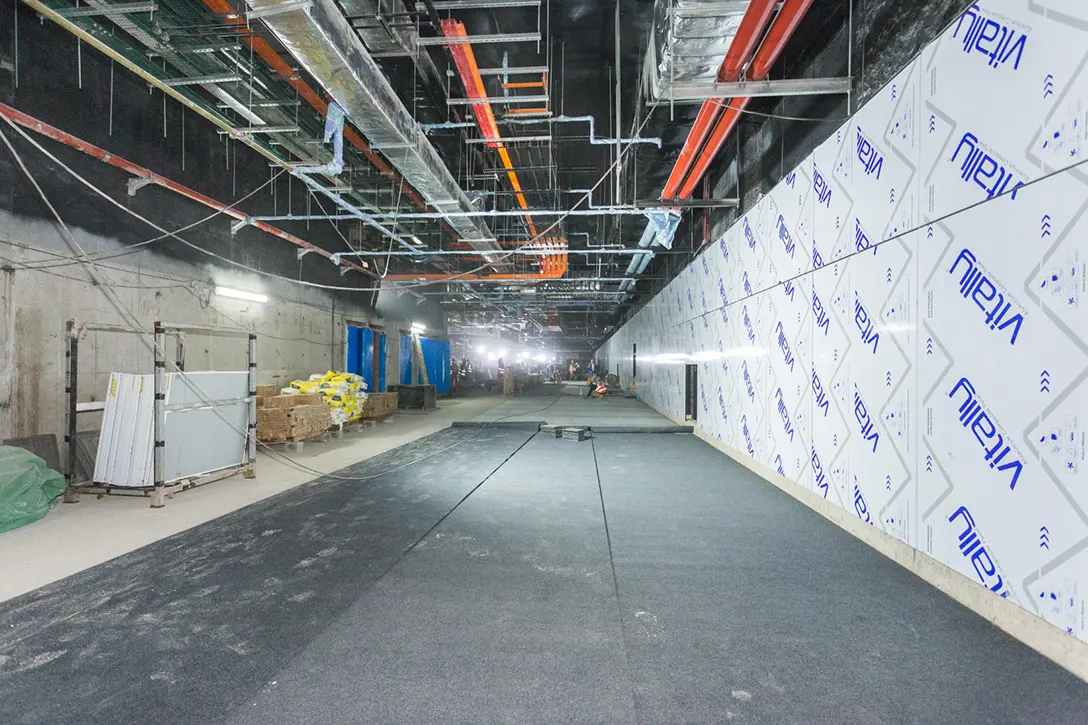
(498, 576)
(74, 537)
(566, 404)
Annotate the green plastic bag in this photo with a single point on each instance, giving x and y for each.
(28, 488)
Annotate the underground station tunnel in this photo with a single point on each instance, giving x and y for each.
(348, 375)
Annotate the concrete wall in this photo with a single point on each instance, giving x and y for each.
(300, 330)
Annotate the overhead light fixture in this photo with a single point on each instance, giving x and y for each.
(418, 327)
(416, 241)
(240, 294)
(481, 350)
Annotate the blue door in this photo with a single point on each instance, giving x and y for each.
(356, 345)
(405, 360)
(381, 363)
(436, 356)
(361, 356)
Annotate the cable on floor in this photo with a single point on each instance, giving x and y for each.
(615, 579)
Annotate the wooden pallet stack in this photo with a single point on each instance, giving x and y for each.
(290, 418)
(379, 405)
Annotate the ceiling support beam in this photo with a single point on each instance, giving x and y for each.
(523, 251)
(683, 93)
(725, 203)
(202, 80)
(519, 70)
(599, 211)
(477, 39)
(115, 9)
(511, 139)
(496, 99)
(483, 4)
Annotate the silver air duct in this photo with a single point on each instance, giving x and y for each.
(688, 42)
(320, 38)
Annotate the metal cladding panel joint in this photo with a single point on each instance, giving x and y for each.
(900, 326)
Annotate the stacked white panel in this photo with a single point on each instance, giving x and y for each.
(199, 438)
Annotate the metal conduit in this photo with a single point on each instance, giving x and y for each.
(599, 211)
(323, 41)
(655, 140)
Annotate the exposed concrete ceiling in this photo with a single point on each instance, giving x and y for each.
(578, 41)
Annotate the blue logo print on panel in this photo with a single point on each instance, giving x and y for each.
(784, 235)
(868, 429)
(818, 391)
(818, 470)
(976, 286)
(980, 167)
(787, 426)
(861, 239)
(784, 344)
(860, 506)
(990, 38)
(748, 324)
(747, 436)
(869, 335)
(823, 189)
(822, 320)
(748, 235)
(747, 380)
(971, 547)
(871, 159)
(974, 416)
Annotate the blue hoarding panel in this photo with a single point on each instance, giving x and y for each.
(405, 360)
(381, 363)
(436, 356)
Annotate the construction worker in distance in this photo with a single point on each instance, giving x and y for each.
(598, 390)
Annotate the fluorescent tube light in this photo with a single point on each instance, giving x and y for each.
(240, 294)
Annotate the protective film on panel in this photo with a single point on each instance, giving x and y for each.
(901, 325)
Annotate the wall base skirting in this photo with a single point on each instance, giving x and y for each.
(1046, 639)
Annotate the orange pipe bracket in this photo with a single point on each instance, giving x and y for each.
(553, 265)
(748, 34)
(786, 22)
(465, 60)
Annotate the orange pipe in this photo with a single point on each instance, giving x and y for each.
(465, 60)
(708, 114)
(789, 17)
(553, 266)
(524, 84)
(748, 34)
(713, 145)
(516, 111)
(136, 170)
(750, 31)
